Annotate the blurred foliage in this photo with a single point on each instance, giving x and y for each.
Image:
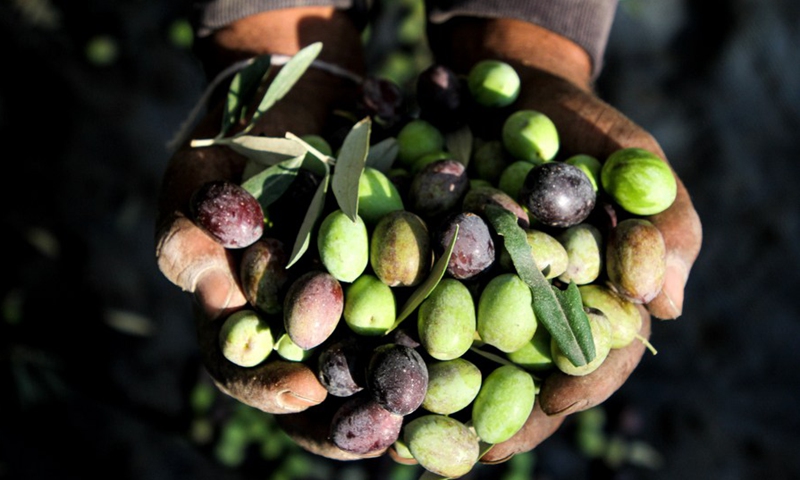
(102, 50)
(39, 13)
(520, 467)
(181, 33)
(248, 440)
(613, 448)
(12, 306)
(395, 42)
(233, 431)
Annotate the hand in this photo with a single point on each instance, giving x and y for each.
(556, 80)
(191, 259)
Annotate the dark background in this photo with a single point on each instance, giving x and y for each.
(100, 374)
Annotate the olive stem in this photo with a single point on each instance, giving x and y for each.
(647, 344)
(205, 142)
(313, 151)
(491, 356)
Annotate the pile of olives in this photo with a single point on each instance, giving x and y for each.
(420, 358)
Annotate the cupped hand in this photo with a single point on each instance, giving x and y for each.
(193, 260)
(556, 80)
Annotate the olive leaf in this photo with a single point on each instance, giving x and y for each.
(426, 287)
(288, 75)
(317, 162)
(572, 304)
(483, 448)
(266, 151)
(349, 166)
(243, 85)
(315, 209)
(272, 182)
(382, 155)
(556, 311)
(459, 143)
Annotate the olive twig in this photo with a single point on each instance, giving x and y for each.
(491, 356)
(646, 344)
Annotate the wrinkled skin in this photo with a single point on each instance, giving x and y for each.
(556, 80)
(191, 259)
(556, 76)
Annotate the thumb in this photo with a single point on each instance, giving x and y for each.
(682, 231)
(196, 263)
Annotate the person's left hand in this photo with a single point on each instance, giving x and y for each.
(555, 75)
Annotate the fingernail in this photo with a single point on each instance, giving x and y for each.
(488, 460)
(672, 291)
(571, 408)
(292, 402)
(213, 292)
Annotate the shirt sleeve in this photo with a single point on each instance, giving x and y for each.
(586, 22)
(210, 15)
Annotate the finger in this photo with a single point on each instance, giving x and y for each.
(276, 386)
(537, 428)
(683, 236)
(310, 429)
(192, 260)
(563, 394)
(187, 256)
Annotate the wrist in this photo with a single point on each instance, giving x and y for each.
(533, 50)
(285, 32)
(282, 33)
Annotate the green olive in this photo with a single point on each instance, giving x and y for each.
(369, 306)
(589, 165)
(503, 404)
(493, 83)
(530, 135)
(446, 320)
(513, 177)
(245, 338)
(343, 246)
(639, 181)
(416, 139)
(505, 313)
(377, 196)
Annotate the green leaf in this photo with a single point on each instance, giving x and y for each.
(484, 448)
(265, 150)
(382, 155)
(349, 166)
(309, 221)
(459, 143)
(320, 167)
(288, 75)
(571, 332)
(269, 184)
(572, 304)
(426, 287)
(242, 87)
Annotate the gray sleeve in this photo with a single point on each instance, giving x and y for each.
(209, 15)
(586, 22)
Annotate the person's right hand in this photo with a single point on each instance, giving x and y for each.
(196, 263)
